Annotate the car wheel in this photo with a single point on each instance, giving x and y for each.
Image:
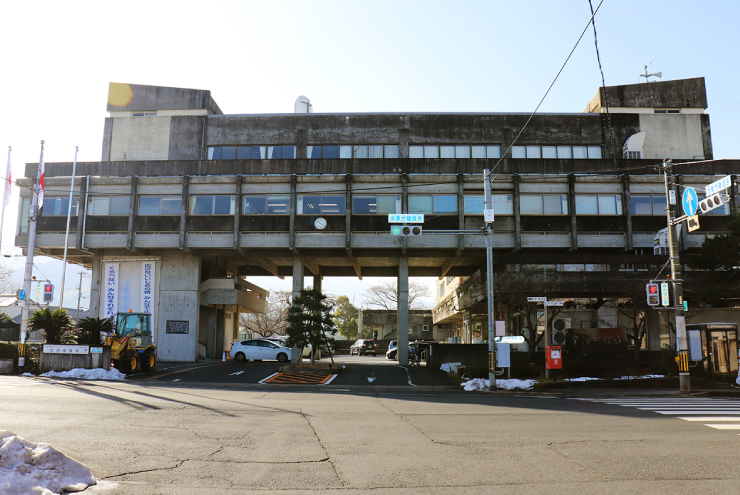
(240, 357)
(282, 357)
(149, 360)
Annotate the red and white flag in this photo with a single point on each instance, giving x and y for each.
(8, 183)
(41, 181)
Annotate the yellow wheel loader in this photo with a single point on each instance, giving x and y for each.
(131, 345)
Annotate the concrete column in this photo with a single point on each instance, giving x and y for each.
(317, 282)
(297, 288)
(96, 275)
(627, 210)
(467, 329)
(179, 302)
(403, 310)
(517, 216)
(132, 214)
(572, 212)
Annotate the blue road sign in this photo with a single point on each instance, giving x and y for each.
(690, 201)
(22, 295)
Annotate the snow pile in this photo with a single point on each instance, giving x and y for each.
(581, 379)
(28, 374)
(450, 367)
(27, 467)
(643, 377)
(482, 385)
(94, 374)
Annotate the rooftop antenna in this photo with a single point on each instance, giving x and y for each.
(654, 74)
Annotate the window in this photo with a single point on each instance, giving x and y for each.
(647, 204)
(438, 203)
(271, 204)
(58, 206)
(160, 205)
(250, 152)
(145, 114)
(562, 152)
(380, 204)
(108, 205)
(519, 152)
(666, 110)
(324, 204)
(543, 204)
(503, 204)
(598, 204)
(455, 151)
(549, 152)
(352, 151)
(212, 205)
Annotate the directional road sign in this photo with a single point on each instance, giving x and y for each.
(554, 303)
(718, 185)
(690, 201)
(405, 218)
(22, 295)
(664, 295)
(509, 339)
(535, 299)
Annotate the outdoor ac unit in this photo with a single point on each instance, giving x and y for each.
(660, 250)
(560, 326)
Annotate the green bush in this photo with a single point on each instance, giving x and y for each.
(8, 351)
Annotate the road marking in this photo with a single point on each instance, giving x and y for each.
(176, 380)
(299, 378)
(724, 427)
(237, 373)
(711, 418)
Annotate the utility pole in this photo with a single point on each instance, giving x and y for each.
(684, 379)
(79, 295)
(30, 246)
(66, 234)
(488, 217)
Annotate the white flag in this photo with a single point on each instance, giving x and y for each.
(8, 183)
(41, 181)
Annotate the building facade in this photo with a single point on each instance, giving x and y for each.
(187, 203)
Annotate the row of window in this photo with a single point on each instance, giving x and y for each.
(391, 151)
(367, 204)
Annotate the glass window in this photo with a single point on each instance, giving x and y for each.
(565, 152)
(278, 204)
(288, 151)
(345, 152)
(223, 205)
(309, 205)
(388, 203)
(109, 205)
(549, 152)
(519, 152)
(24, 215)
(228, 152)
(594, 151)
(447, 152)
(159, 205)
(610, 204)
(533, 152)
(201, 205)
(244, 152)
(254, 205)
(416, 151)
(391, 150)
(420, 203)
(333, 204)
(493, 151)
(214, 152)
(149, 205)
(274, 152)
(98, 205)
(659, 204)
(375, 151)
(474, 205)
(259, 152)
(530, 204)
(431, 151)
(330, 152)
(579, 152)
(478, 151)
(640, 204)
(445, 204)
(587, 204)
(364, 205)
(555, 204)
(313, 152)
(171, 205)
(503, 204)
(119, 205)
(362, 151)
(58, 206)
(462, 151)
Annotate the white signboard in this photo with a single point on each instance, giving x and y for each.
(535, 299)
(96, 350)
(406, 218)
(488, 215)
(147, 287)
(664, 296)
(717, 186)
(66, 349)
(554, 303)
(509, 339)
(110, 290)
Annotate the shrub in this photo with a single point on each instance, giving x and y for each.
(8, 351)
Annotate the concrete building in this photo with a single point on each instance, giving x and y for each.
(187, 202)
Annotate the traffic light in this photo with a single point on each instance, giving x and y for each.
(48, 292)
(653, 294)
(406, 230)
(708, 204)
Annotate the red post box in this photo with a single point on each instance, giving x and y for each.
(553, 357)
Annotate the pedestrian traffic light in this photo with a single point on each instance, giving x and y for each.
(653, 294)
(411, 230)
(48, 292)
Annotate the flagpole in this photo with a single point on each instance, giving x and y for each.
(6, 197)
(30, 246)
(66, 235)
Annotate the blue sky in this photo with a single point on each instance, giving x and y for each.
(346, 56)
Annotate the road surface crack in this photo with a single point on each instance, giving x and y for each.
(552, 446)
(177, 465)
(326, 451)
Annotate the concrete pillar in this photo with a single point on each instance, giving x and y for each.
(403, 310)
(297, 288)
(467, 329)
(317, 282)
(179, 302)
(96, 275)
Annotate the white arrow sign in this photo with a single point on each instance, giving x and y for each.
(535, 299)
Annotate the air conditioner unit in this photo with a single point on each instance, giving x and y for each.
(560, 326)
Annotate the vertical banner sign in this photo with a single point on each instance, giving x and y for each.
(147, 287)
(37, 292)
(664, 294)
(110, 290)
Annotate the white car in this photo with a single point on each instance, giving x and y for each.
(259, 350)
(306, 349)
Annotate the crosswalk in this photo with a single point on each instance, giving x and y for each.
(16, 381)
(721, 414)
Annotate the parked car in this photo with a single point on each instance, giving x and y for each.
(259, 349)
(364, 347)
(306, 349)
(392, 351)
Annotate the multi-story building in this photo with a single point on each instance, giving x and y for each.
(187, 202)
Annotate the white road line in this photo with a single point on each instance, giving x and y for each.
(724, 427)
(330, 380)
(684, 406)
(237, 373)
(267, 378)
(176, 380)
(712, 418)
(690, 412)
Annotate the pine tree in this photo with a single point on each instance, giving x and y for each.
(311, 323)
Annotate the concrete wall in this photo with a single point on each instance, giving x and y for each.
(178, 301)
(137, 97)
(672, 136)
(140, 138)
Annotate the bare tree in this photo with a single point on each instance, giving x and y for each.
(7, 284)
(275, 321)
(385, 295)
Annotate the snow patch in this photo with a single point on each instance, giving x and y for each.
(27, 467)
(482, 385)
(581, 379)
(643, 377)
(29, 374)
(450, 367)
(94, 374)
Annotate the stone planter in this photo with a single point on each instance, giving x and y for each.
(6, 366)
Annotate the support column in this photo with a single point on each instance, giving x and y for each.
(467, 330)
(295, 355)
(317, 282)
(403, 310)
(96, 276)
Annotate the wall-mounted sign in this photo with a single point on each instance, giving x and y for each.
(66, 349)
(110, 290)
(178, 326)
(718, 185)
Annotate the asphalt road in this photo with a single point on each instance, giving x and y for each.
(199, 436)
